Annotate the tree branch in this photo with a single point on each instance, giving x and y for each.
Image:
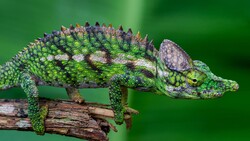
(85, 121)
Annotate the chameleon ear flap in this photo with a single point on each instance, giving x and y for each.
(174, 57)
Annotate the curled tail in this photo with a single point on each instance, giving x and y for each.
(9, 75)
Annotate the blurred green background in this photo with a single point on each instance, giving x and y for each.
(215, 31)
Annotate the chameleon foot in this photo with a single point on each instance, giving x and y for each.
(78, 99)
(131, 111)
(75, 95)
(119, 117)
(44, 111)
(37, 120)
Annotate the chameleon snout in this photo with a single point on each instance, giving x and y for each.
(231, 85)
(235, 86)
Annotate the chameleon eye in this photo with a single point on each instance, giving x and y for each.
(195, 78)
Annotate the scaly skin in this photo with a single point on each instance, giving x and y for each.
(99, 56)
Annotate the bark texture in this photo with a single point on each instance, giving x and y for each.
(85, 121)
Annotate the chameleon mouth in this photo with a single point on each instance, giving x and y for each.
(218, 94)
(212, 95)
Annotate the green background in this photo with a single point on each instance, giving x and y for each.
(215, 31)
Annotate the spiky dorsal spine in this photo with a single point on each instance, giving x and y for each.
(107, 30)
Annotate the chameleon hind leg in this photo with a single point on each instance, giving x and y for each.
(116, 94)
(36, 115)
(74, 95)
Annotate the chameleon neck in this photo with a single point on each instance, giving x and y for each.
(9, 75)
(161, 77)
(168, 79)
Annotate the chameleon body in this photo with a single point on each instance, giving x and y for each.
(104, 57)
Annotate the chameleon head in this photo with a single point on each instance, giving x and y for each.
(180, 77)
(200, 82)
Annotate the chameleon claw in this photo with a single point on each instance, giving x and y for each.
(79, 100)
(131, 111)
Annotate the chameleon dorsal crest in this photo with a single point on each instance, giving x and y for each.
(174, 57)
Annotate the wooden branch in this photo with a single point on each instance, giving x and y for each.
(85, 121)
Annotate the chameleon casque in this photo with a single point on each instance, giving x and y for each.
(104, 57)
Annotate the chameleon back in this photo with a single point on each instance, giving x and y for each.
(88, 56)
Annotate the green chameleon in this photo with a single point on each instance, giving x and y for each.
(103, 57)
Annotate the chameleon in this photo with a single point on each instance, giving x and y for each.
(100, 56)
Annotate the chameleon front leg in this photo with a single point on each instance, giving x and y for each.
(124, 91)
(36, 115)
(74, 95)
(117, 99)
(124, 101)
